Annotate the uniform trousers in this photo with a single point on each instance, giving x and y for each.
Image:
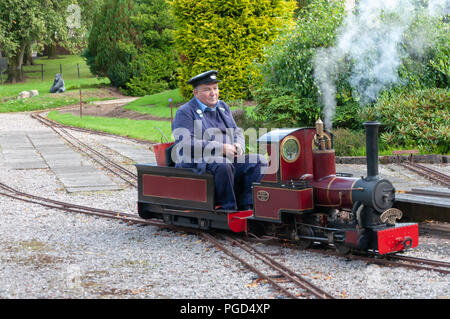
(232, 180)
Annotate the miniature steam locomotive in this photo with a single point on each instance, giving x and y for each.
(303, 199)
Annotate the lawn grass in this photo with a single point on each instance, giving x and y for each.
(51, 68)
(157, 104)
(46, 101)
(141, 129)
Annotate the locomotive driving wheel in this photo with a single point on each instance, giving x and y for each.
(303, 231)
(341, 249)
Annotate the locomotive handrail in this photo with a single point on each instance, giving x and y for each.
(341, 189)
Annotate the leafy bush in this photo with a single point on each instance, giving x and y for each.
(131, 43)
(110, 49)
(427, 53)
(417, 118)
(157, 59)
(277, 108)
(286, 91)
(288, 67)
(349, 143)
(226, 36)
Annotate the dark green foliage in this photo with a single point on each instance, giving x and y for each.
(278, 107)
(131, 43)
(288, 68)
(110, 48)
(349, 143)
(158, 59)
(417, 118)
(427, 60)
(286, 91)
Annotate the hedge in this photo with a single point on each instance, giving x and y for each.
(228, 36)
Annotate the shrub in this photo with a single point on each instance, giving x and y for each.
(227, 36)
(349, 143)
(287, 72)
(414, 118)
(423, 54)
(427, 53)
(131, 43)
(277, 108)
(157, 59)
(110, 49)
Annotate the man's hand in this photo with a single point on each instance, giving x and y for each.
(238, 151)
(229, 150)
(234, 150)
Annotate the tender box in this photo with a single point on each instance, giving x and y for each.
(397, 238)
(179, 187)
(184, 198)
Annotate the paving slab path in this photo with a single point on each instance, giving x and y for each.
(45, 149)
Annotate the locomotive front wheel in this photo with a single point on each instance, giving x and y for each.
(304, 231)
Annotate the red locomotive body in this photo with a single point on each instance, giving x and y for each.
(301, 198)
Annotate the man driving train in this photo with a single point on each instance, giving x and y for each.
(208, 140)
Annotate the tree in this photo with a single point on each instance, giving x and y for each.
(157, 59)
(227, 36)
(21, 21)
(110, 46)
(131, 43)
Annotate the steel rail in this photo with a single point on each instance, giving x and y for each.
(216, 243)
(441, 175)
(418, 260)
(50, 203)
(428, 173)
(285, 271)
(85, 130)
(68, 138)
(370, 258)
(423, 193)
(73, 208)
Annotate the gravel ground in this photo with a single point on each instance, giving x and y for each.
(47, 253)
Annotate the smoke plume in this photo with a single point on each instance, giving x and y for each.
(370, 38)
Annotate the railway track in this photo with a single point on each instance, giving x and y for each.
(405, 262)
(309, 288)
(281, 272)
(428, 173)
(123, 173)
(279, 276)
(283, 279)
(395, 260)
(90, 131)
(10, 192)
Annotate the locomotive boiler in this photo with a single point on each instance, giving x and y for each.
(301, 197)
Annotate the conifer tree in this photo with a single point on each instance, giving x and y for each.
(111, 47)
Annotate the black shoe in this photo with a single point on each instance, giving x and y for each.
(246, 207)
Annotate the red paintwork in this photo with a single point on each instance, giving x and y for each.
(390, 240)
(351, 238)
(181, 188)
(160, 152)
(238, 221)
(272, 158)
(324, 164)
(270, 178)
(281, 199)
(334, 191)
(303, 165)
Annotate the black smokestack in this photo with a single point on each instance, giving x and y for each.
(372, 149)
